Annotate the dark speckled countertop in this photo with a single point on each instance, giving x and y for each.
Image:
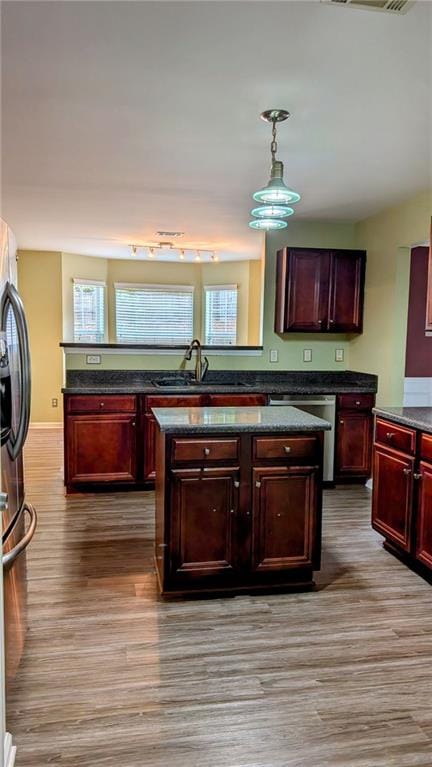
(414, 417)
(182, 420)
(223, 381)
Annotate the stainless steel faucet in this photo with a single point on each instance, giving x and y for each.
(200, 366)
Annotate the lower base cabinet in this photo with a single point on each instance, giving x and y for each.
(402, 493)
(238, 527)
(101, 448)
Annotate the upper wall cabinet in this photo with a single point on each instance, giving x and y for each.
(319, 291)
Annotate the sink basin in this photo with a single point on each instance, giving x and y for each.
(181, 382)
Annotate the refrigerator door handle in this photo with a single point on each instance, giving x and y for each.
(12, 299)
(9, 558)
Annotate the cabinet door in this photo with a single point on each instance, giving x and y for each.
(353, 444)
(392, 496)
(101, 448)
(285, 525)
(424, 516)
(149, 429)
(347, 272)
(204, 505)
(302, 290)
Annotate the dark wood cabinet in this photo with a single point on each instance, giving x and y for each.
(392, 500)
(353, 444)
(100, 448)
(354, 427)
(251, 525)
(204, 505)
(149, 452)
(319, 291)
(424, 516)
(284, 517)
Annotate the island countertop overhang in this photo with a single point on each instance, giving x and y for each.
(414, 417)
(283, 419)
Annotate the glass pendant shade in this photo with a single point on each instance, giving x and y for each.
(272, 211)
(276, 190)
(267, 223)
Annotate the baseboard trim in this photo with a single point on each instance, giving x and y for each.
(46, 425)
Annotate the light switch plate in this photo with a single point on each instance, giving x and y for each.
(93, 359)
(307, 355)
(339, 355)
(274, 355)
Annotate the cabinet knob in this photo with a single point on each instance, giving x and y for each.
(232, 511)
(331, 322)
(279, 514)
(341, 421)
(133, 423)
(407, 471)
(390, 435)
(320, 322)
(287, 449)
(236, 483)
(257, 484)
(416, 475)
(358, 402)
(101, 404)
(206, 451)
(248, 513)
(214, 511)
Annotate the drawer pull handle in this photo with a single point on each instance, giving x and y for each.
(206, 451)
(390, 435)
(236, 483)
(407, 471)
(287, 449)
(417, 476)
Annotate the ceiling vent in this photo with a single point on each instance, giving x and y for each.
(389, 6)
(169, 234)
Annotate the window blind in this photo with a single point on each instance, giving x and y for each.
(89, 310)
(154, 314)
(220, 314)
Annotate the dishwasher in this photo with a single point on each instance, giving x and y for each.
(323, 406)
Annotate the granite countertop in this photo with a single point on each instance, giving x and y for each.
(415, 417)
(222, 381)
(180, 420)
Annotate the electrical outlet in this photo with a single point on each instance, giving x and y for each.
(307, 355)
(54, 402)
(339, 355)
(93, 359)
(274, 355)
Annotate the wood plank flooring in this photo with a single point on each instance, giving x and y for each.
(341, 677)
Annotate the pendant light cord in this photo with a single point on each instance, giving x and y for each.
(273, 145)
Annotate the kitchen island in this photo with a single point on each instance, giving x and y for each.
(238, 499)
(402, 484)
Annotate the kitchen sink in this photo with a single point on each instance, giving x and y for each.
(179, 382)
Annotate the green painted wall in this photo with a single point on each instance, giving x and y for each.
(388, 238)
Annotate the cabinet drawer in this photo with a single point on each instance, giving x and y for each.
(355, 401)
(426, 447)
(236, 400)
(285, 447)
(205, 449)
(187, 400)
(395, 436)
(95, 403)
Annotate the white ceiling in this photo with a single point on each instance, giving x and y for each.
(123, 118)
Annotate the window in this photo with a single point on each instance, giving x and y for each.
(154, 314)
(220, 314)
(89, 310)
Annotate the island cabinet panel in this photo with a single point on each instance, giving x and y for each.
(248, 526)
(284, 517)
(236, 400)
(101, 448)
(204, 505)
(424, 516)
(319, 290)
(392, 501)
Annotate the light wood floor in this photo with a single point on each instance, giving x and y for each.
(341, 677)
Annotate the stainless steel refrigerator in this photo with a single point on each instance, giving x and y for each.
(18, 517)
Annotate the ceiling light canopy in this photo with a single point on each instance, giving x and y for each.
(276, 195)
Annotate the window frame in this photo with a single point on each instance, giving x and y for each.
(213, 288)
(95, 283)
(161, 287)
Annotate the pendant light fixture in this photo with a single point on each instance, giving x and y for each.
(276, 196)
